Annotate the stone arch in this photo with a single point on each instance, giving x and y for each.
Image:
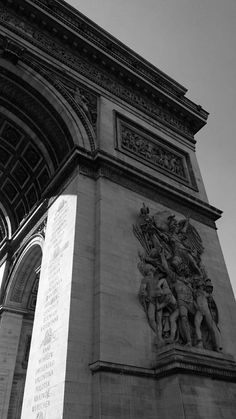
(41, 124)
(79, 106)
(49, 90)
(20, 299)
(22, 284)
(5, 224)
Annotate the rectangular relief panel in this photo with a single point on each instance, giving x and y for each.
(151, 150)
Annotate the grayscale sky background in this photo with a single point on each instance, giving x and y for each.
(194, 42)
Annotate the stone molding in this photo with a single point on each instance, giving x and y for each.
(13, 310)
(24, 97)
(12, 51)
(177, 360)
(20, 191)
(33, 295)
(19, 280)
(3, 227)
(160, 107)
(77, 22)
(31, 227)
(198, 361)
(88, 119)
(114, 48)
(154, 188)
(108, 44)
(101, 164)
(83, 104)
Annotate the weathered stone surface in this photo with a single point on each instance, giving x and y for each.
(176, 396)
(88, 133)
(44, 389)
(10, 329)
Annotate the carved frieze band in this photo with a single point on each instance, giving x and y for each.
(154, 152)
(92, 35)
(151, 106)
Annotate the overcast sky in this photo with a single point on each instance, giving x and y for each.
(193, 41)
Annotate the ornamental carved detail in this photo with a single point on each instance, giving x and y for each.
(41, 229)
(15, 21)
(153, 107)
(153, 151)
(12, 51)
(175, 290)
(87, 101)
(83, 101)
(92, 35)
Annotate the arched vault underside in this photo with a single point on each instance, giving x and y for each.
(22, 284)
(40, 127)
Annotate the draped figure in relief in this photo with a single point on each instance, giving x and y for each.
(175, 291)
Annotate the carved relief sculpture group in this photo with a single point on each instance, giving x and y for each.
(154, 153)
(175, 291)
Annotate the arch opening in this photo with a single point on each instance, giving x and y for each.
(39, 130)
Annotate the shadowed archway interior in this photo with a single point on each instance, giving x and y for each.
(35, 142)
(21, 295)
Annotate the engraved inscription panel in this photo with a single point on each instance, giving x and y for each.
(44, 390)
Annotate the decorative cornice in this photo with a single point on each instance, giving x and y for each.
(101, 164)
(177, 360)
(81, 99)
(104, 366)
(155, 189)
(88, 30)
(12, 51)
(70, 47)
(12, 310)
(197, 361)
